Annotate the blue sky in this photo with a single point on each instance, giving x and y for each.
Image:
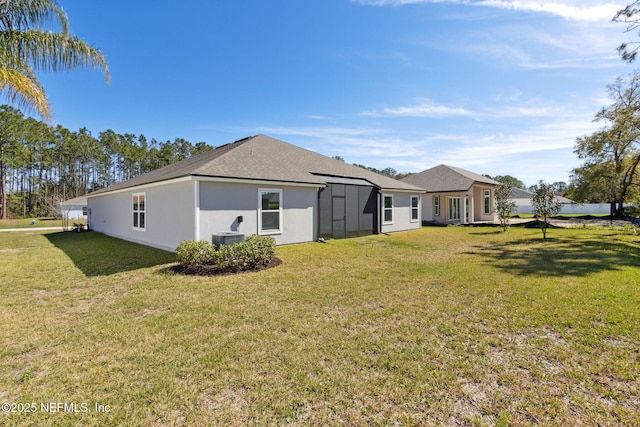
(501, 87)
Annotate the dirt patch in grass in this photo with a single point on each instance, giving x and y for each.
(10, 250)
(213, 270)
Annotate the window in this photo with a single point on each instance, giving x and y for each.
(487, 202)
(436, 205)
(270, 211)
(84, 211)
(454, 208)
(387, 209)
(139, 211)
(415, 208)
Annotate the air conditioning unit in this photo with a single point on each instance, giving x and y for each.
(226, 238)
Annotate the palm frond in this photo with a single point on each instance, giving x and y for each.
(28, 14)
(48, 51)
(21, 87)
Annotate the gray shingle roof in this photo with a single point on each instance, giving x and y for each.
(263, 158)
(78, 201)
(519, 193)
(445, 178)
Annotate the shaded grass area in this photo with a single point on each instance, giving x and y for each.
(442, 326)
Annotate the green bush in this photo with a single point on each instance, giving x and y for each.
(192, 253)
(245, 255)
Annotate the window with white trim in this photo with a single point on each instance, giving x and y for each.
(270, 211)
(454, 208)
(487, 202)
(415, 208)
(139, 211)
(387, 209)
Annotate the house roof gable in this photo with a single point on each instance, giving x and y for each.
(264, 158)
(444, 178)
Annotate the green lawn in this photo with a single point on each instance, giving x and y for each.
(442, 326)
(26, 223)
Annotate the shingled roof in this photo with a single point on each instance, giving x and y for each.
(445, 178)
(263, 158)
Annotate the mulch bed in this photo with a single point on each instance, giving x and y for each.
(213, 270)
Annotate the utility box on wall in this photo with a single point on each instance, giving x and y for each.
(226, 238)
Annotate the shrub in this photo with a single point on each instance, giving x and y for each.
(245, 255)
(191, 253)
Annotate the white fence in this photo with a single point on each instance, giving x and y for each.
(524, 207)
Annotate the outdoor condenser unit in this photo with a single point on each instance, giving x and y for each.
(226, 238)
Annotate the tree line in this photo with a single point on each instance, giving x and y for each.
(41, 165)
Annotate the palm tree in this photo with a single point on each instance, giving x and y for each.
(26, 47)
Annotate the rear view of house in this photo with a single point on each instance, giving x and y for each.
(257, 185)
(455, 195)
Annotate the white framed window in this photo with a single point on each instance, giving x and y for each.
(415, 208)
(436, 205)
(387, 209)
(139, 211)
(487, 202)
(269, 211)
(454, 208)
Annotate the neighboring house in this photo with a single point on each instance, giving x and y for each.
(73, 208)
(257, 185)
(455, 195)
(567, 206)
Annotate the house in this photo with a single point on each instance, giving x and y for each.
(257, 185)
(522, 198)
(73, 208)
(455, 195)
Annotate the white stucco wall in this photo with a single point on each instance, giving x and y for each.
(524, 207)
(401, 213)
(170, 215)
(222, 203)
(73, 212)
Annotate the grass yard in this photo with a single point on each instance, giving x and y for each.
(442, 326)
(26, 223)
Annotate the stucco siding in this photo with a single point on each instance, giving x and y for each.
(74, 212)
(222, 203)
(169, 214)
(478, 208)
(401, 213)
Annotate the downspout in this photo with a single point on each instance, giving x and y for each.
(196, 198)
(318, 213)
(378, 212)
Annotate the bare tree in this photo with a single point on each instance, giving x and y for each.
(630, 15)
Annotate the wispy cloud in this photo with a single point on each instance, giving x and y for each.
(424, 108)
(570, 10)
(498, 109)
(528, 138)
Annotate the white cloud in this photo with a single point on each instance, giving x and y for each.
(570, 10)
(424, 108)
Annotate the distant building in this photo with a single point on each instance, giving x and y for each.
(73, 208)
(455, 195)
